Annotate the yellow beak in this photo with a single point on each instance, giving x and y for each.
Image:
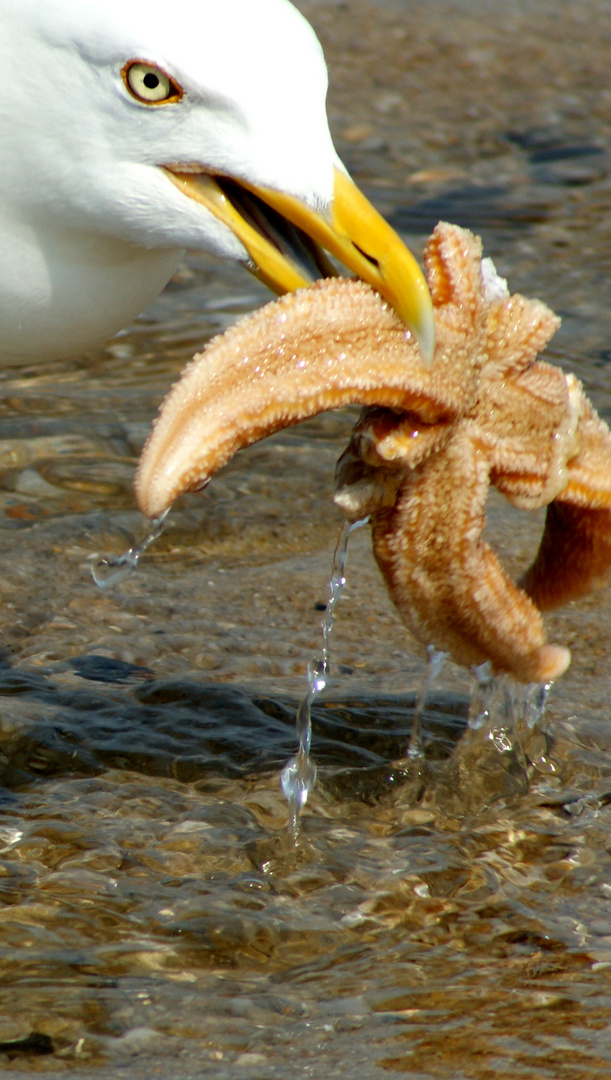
(286, 241)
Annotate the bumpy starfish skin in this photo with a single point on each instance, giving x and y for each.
(333, 344)
(428, 445)
(317, 349)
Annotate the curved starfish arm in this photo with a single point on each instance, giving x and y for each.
(574, 555)
(446, 582)
(321, 348)
(334, 344)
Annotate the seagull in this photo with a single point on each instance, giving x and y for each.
(133, 131)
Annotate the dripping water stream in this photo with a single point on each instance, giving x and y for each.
(299, 774)
(434, 667)
(111, 569)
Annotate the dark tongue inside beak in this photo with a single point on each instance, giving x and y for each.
(295, 244)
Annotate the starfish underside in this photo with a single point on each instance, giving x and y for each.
(429, 443)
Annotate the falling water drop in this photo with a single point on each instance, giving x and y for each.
(499, 700)
(434, 667)
(299, 774)
(529, 702)
(482, 695)
(112, 569)
(506, 712)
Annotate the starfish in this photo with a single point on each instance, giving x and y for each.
(428, 445)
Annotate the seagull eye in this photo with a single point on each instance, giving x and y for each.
(149, 84)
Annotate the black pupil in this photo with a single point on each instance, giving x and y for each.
(151, 81)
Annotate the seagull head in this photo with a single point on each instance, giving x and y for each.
(135, 130)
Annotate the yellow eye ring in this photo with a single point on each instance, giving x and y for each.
(150, 84)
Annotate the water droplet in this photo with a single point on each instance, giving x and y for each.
(506, 709)
(501, 740)
(112, 569)
(479, 711)
(298, 778)
(434, 667)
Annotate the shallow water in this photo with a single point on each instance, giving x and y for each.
(448, 917)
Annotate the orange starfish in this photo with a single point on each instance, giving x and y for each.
(426, 449)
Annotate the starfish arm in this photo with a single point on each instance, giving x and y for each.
(589, 470)
(574, 555)
(321, 348)
(530, 420)
(445, 581)
(517, 329)
(452, 259)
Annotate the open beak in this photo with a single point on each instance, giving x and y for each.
(287, 242)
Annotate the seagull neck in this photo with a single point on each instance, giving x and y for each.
(61, 295)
